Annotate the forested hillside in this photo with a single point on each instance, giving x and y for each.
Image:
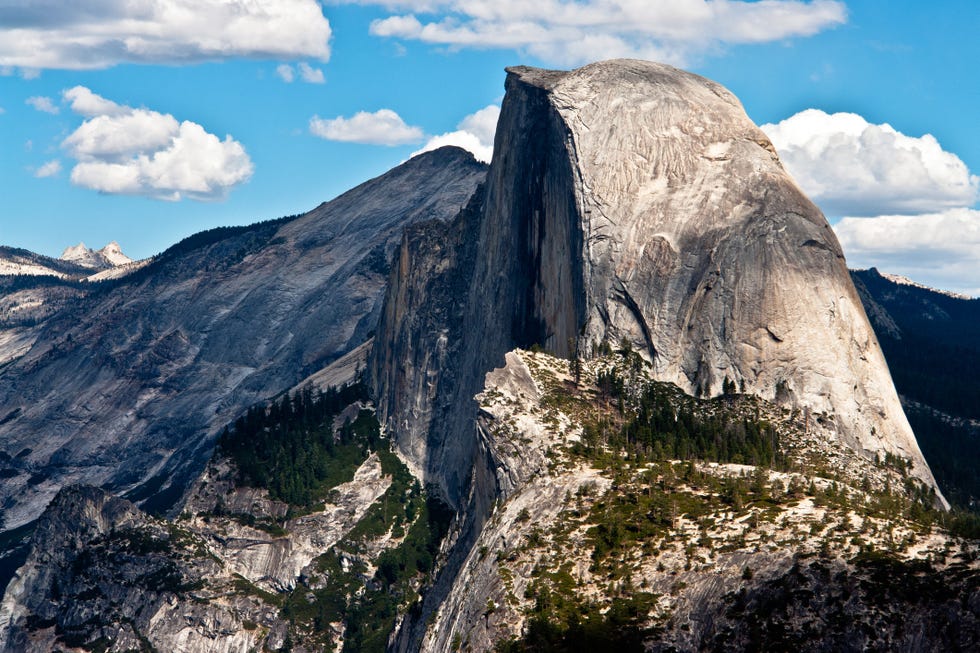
(931, 341)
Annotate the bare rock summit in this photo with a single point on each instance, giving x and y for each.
(632, 200)
(108, 257)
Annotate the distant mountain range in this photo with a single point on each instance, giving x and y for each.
(76, 262)
(109, 256)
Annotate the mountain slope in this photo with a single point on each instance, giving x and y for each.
(128, 388)
(14, 261)
(247, 565)
(634, 517)
(630, 517)
(932, 343)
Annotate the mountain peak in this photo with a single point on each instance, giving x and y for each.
(113, 253)
(629, 201)
(108, 257)
(75, 252)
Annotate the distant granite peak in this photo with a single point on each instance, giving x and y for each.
(109, 256)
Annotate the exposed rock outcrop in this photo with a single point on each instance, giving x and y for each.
(631, 200)
(103, 574)
(663, 556)
(273, 562)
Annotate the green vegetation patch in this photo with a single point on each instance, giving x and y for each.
(342, 590)
(659, 422)
(561, 621)
(291, 449)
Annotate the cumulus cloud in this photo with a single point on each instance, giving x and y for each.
(92, 34)
(572, 32)
(122, 150)
(84, 102)
(49, 169)
(937, 249)
(383, 127)
(474, 133)
(42, 103)
(849, 166)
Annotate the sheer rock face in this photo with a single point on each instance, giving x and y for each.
(127, 386)
(629, 199)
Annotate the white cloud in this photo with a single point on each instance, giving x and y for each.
(309, 74)
(937, 249)
(101, 33)
(142, 152)
(49, 169)
(462, 139)
(85, 102)
(383, 127)
(42, 103)
(572, 32)
(851, 167)
(117, 137)
(286, 73)
(482, 124)
(2, 111)
(474, 133)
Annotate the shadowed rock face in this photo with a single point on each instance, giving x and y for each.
(101, 572)
(126, 387)
(629, 199)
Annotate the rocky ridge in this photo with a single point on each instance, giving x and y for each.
(238, 570)
(126, 386)
(578, 538)
(22, 262)
(110, 577)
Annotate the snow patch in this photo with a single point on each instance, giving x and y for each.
(905, 281)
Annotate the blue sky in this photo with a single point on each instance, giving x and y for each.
(145, 128)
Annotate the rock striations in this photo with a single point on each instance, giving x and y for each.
(629, 199)
(127, 387)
